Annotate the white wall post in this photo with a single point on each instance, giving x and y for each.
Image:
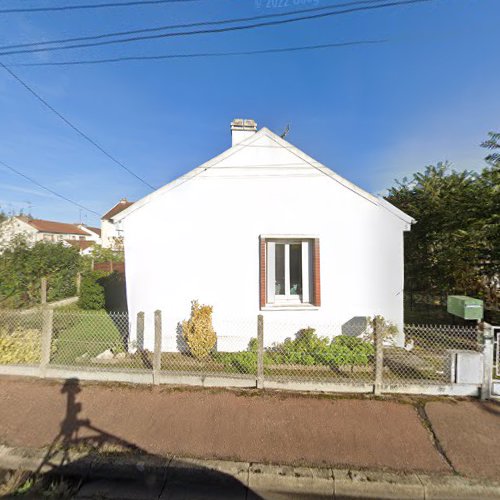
(487, 361)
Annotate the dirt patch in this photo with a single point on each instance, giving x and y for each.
(361, 433)
(469, 434)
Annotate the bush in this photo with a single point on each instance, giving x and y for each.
(91, 292)
(306, 349)
(344, 350)
(243, 361)
(23, 346)
(22, 266)
(309, 349)
(198, 331)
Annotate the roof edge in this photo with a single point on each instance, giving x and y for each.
(395, 211)
(283, 143)
(189, 175)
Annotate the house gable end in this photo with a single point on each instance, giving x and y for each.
(272, 156)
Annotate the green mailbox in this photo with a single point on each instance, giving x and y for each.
(465, 307)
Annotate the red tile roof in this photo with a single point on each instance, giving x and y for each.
(119, 207)
(49, 226)
(95, 230)
(80, 244)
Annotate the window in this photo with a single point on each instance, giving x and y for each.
(289, 271)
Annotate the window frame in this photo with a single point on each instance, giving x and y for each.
(271, 300)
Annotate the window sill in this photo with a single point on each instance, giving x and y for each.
(291, 307)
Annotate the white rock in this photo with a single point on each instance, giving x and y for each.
(107, 354)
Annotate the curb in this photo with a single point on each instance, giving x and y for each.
(129, 476)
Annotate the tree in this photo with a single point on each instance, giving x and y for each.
(493, 143)
(454, 246)
(22, 266)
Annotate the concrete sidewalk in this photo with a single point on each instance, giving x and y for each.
(145, 477)
(407, 436)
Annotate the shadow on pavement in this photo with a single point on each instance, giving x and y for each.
(84, 461)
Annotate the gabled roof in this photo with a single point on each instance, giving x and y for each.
(49, 226)
(94, 230)
(280, 142)
(80, 244)
(119, 207)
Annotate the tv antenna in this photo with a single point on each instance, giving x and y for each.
(285, 133)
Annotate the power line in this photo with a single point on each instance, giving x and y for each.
(55, 193)
(106, 5)
(74, 127)
(188, 25)
(206, 54)
(218, 30)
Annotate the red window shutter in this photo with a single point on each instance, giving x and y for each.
(262, 270)
(316, 274)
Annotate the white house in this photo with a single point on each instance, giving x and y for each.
(263, 228)
(93, 232)
(34, 230)
(111, 236)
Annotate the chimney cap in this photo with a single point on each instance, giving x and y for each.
(244, 124)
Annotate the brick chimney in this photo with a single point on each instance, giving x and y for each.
(241, 129)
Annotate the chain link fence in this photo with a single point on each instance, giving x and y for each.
(20, 337)
(428, 354)
(94, 339)
(279, 351)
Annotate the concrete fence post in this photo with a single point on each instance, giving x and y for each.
(46, 340)
(78, 283)
(140, 331)
(488, 356)
(43, 291)
(378, 338)
(260, 351)
(157, 351)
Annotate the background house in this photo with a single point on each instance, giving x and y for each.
(263, 228)
(111, 236)
(34, 230)
(93, 232)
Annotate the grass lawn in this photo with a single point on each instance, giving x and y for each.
(85, 334)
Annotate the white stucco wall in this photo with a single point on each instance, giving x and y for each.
(13, 227)
(109, 233)
(207, 248)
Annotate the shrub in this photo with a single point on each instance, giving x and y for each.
(306, 349)
(91, 292)
(344, 350)
(309, 349)
(389, 330)
(242, 361)
(198, 331)
(22, 346)
(22, 266)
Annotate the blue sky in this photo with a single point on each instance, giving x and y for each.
(371, 113)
